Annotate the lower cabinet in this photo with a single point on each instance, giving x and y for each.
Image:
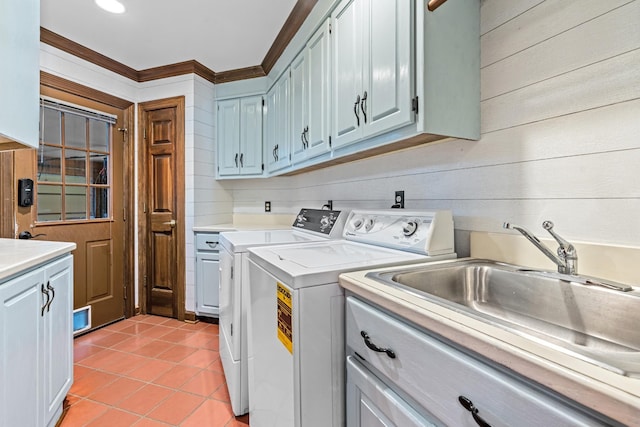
(399, 375)
(207, 274)
(36, 344)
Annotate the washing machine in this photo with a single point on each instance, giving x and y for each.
(309, 225)
(296, 311)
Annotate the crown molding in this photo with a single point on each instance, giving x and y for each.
(296, 18)
(55, 82)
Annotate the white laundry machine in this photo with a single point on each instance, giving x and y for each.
(296, 312)
(310, 225)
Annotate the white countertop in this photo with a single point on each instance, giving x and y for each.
(604, 391)
(20, 255)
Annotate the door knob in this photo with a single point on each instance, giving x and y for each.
(171, 223)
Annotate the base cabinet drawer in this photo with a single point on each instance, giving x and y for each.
(447, 382)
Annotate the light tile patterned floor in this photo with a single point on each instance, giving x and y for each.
(150, 371)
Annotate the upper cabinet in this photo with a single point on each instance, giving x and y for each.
(310, 94)
(369, 77)
(372, 62)
(240, 136)
(276, 128)
(20, 73)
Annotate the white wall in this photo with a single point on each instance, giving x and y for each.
(560, 134)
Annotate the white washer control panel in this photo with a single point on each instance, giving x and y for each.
(424, 232)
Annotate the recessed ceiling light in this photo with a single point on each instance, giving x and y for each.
(113, 6)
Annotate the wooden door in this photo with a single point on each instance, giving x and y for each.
(163, 206)
(78, 172)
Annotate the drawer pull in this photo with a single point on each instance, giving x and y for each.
(375, 348)
(469, 406)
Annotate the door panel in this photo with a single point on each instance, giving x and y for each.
(162, 213)
(228, 137)
(250, 136)
(318, 92)
(98, 260)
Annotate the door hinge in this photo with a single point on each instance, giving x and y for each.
(263, 102)
(263, 167)
(124, 291)
(414, 104)
(145, 280)
(231, 272)
(144, 133)
(232, 329)
(330, 28)
(329, 141)
(144, 207)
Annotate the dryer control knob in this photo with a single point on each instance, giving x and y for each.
(410, 228)
(325, 221)
(368, 225)
(302, 218)
(357, 223)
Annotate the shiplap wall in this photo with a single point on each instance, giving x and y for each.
(560, 134)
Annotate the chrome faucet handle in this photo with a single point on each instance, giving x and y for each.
(565, 247)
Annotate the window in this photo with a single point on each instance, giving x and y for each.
(73, 166)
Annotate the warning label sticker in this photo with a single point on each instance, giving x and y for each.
(285, 329)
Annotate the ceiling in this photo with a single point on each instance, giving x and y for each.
(220, 34)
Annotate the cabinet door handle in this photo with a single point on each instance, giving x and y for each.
(469, 406)
(372, 346)
(363, 106)
(46, 304)
(236, 159)
(241, 162)
(53, 295)
(305, 134)
(302, 140)
(355, 110)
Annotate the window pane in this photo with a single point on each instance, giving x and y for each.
(99, 202)
(50, 127)
(49, 202)
(75, 166)
(99, 135)
(75, 131)
(99, 168)
(49, 164)
(75, 202)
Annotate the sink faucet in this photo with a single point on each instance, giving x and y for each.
(567, 258)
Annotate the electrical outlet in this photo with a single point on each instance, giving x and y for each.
(399, 201)
(267, 206)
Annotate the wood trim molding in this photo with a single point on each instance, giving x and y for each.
(55, 82)
(296, 18)
(240, 74)
(6, 195)
(291, 26)
(76, 49)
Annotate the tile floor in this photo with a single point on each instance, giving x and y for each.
(150, 371)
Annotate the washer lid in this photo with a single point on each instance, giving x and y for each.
(240, 241)
(318, 263)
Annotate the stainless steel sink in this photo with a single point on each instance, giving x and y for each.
(571, 313)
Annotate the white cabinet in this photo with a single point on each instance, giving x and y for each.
(20, 73)
(372, 69)
(310, 94)
(277, 122)
(240, 136)
(443, 382)
(36, 344)
(207, 274)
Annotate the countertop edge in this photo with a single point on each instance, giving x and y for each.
(17, 256)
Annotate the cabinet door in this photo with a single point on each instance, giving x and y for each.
(58, 336)
(277, 129)
(20, 73)
(371, 403)
(299, 107)
(250, 159)
(387, 82)
(208, 284)
(21, 302)
(318, 92)
(229, 137)
(347, 72)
